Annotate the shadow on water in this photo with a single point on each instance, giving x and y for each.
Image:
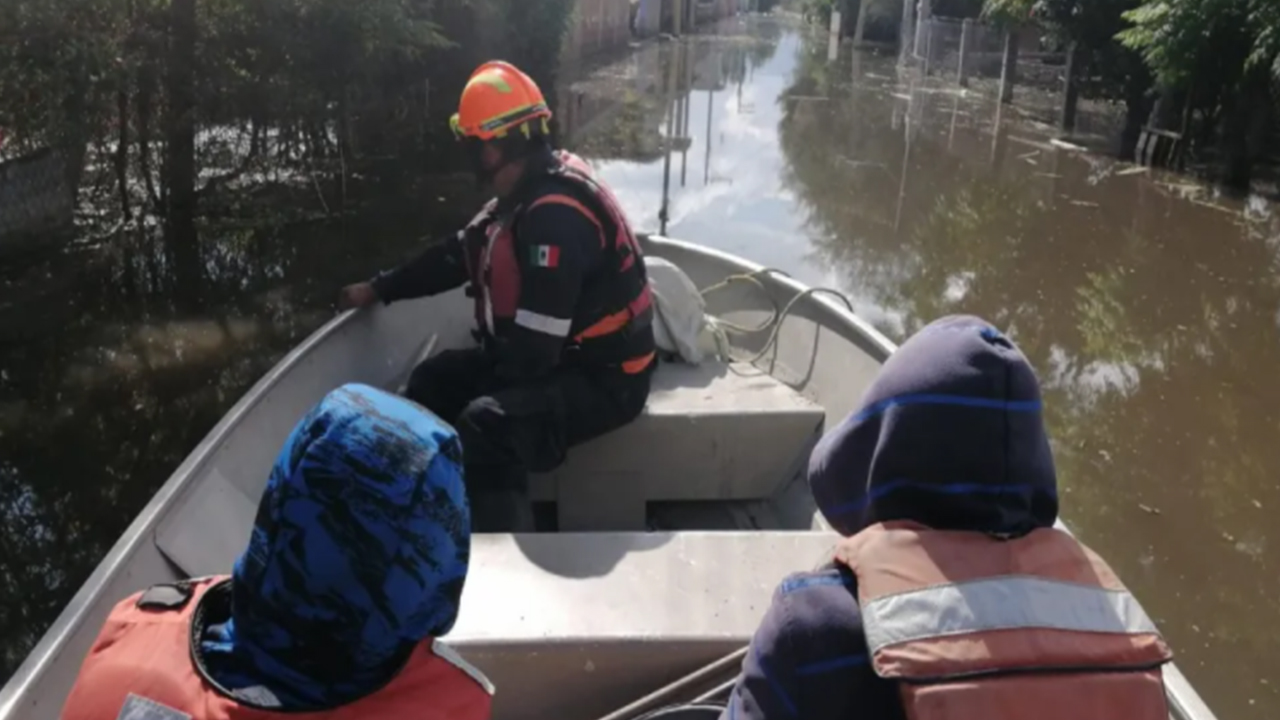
(1149, 305)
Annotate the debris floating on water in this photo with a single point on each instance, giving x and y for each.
(1148, 509)
(1133, 170)
(1066, 145)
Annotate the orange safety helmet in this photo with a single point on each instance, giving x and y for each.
(497, 98)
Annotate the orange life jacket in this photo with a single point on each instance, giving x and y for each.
(973, 627)
(495, 273)
(141, 661)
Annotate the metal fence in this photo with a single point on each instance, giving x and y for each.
(598, 25)
(964, 50)
(971, 53)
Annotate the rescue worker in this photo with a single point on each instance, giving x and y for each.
(951, 595)
(562, 303)
(355, 566)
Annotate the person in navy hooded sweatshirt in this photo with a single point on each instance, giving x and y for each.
(949, 436)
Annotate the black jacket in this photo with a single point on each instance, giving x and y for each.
(573, 289)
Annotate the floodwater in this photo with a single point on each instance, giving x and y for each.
(1150, 307)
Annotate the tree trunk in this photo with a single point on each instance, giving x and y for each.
(1245, 122)
(1009, 66)
(1234, 146)
(122, 149)
(1138, 102)
(144, 105)
(1071, 93)
(180, 152)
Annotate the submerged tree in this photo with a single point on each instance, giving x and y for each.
(1215, 61)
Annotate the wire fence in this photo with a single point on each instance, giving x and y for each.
(972, 54)
(965, 50)
(36, 195)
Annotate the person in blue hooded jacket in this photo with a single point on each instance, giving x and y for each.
(354, 568)
(947, 464)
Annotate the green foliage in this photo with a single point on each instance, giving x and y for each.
(817, 11)
(64, 62)
(285, 83)
(532, 31)
(58, 57)
(1222, 39)
(1008, 12)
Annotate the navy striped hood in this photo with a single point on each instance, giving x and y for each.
(950, 435)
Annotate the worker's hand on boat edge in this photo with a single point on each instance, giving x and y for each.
(357, 296)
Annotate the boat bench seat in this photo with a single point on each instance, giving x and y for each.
(621, 613)
(712, 431)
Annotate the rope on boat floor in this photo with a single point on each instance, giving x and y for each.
(678, 692)
(721, 328)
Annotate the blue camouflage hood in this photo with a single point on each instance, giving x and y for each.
(949, 435)
(359, 551)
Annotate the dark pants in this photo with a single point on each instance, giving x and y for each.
(509, 430)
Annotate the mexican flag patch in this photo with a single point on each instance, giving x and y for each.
(547, 256)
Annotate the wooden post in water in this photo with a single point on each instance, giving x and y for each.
(929, 27)
(955, 110)
(906, 32)
(906, 164)
(690, 59)
(922, 20)
(833, 40)
(966, 35)
(1009, 67)
(1071, 94)
(999, 141)
(677, 16)
(860, 26)
(670, 94)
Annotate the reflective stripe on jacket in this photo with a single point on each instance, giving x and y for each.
(973, 626)
(618, 333)
(140, 666)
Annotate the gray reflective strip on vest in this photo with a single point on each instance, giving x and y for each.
(1001, 603)
(558, 327)
(139, 708)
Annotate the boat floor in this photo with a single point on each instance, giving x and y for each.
(673, 533)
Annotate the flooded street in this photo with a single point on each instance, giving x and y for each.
(1150, 308)
(1149, 305)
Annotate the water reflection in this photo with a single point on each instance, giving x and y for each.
(119, 356)
(1150, 307)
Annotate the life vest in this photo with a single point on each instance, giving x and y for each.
(978, 628)
(142, 662)
(605, 335)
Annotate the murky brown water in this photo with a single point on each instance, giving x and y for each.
(1150, 308)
